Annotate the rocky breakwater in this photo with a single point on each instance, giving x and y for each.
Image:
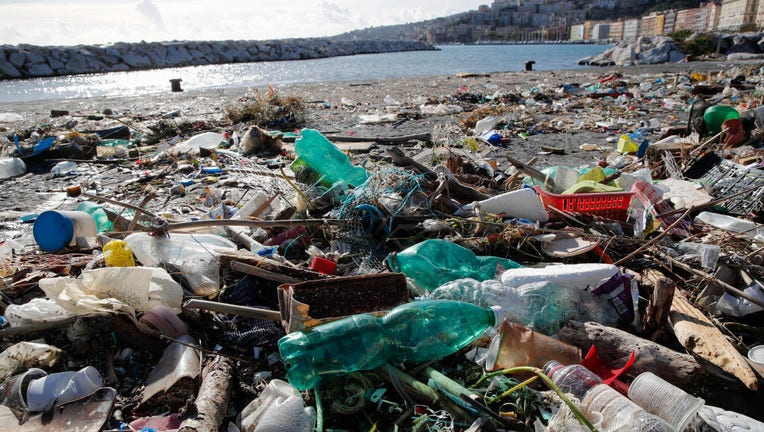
(645, 50)
(27, 61)
(663, 49)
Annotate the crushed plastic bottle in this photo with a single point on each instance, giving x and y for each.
(542, 306)
(432, 263)
(414, 332)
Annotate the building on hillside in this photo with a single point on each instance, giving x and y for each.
(481, 17)
(616, 30)
(631, 29)
(647, 26)
(693, 20)
(759, 16)
(522, 19)
(682, 21)
(735, 14)
(540, 20)
(712, 16)
(601, 31)
(577, 32)
(669, 21)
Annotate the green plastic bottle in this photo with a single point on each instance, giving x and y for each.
(432, 263)
(319, 154)
(414, 332)
(103, 224)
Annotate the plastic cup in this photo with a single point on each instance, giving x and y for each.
(756, 354)
(659, 397)
(615, 409)
(60, 388)
(53, 230)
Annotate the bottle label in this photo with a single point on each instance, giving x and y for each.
(618, 292)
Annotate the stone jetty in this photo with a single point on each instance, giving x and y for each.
(28, 61)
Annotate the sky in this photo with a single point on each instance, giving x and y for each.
(72, 22)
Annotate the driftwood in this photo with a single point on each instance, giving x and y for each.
(615, 346)
(454, 186)
(700, 337)
(212, 400)
(656, 317)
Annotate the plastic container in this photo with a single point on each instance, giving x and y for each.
(609, 205)
(516, 345)
(194, 255)
(715, 116)
(116, 253)
(756, 354)
(580, 276)
(522, 203)
(11, 167)
(54, 230)
(99, 215)
(320, 155)
(410, 333)
(432, 263)
(542, 306)
(62, 168)
(730, 223)
(574, 379)
(278, 408)
(206, 141)
(60, 388)
(323, 265)
(621, 414)
(659, 397)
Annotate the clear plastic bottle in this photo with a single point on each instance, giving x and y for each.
(320, 155)
(574, 379)
(621, 414)
(432, 263)
(410, 333)
(62, 168)
(542, 306)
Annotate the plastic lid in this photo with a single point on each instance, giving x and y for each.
(53, 231)
(551, 366)
(498, 315)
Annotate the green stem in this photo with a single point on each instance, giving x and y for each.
(513, 389)
(576, 412)
(319, 411)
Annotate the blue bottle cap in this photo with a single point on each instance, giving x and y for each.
(52, 231)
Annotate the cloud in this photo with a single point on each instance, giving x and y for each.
(151, 12)
(334, 12)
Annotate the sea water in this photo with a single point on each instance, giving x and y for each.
(448, 60)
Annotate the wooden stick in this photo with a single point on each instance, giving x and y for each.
(212, 400)
(656, 238)
(705, 275)
(615, 346)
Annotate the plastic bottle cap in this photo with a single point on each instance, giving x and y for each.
(498, 314)
(53, 231)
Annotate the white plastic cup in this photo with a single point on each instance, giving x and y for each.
(522, 203)
(659, 397)
(60, 388)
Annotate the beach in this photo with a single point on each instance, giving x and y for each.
(568, 118)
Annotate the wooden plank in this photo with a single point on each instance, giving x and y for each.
(701, 338)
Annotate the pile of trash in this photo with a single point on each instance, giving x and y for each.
(243, 276)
